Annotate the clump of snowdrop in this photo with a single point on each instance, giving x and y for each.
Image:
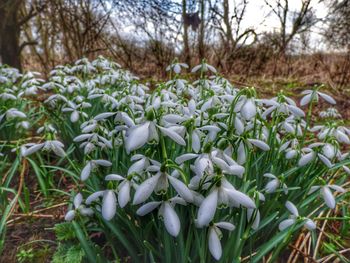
(185, 160)
(308, 223)
(330, 113)
(49, 145)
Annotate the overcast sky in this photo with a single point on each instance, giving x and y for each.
(258, 17)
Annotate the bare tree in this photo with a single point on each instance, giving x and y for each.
(292, 22)
(338, 35)
(228, 22)
(12, 20)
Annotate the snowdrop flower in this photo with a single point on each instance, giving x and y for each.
(256, 222)
(7, 96)
(329, 151)
(124, 188)
(51, 145)
(330, 113)
(166, 212)
(307, 158)
(91, 141)
(78, 207)
(13, 113)
(309, 94)
(260, 144)
(109, 203)
(273, 184)
(55, 146)
(248, 109)
(174, 132)
(138, 135)
(75, 110)
(176, 67)
(46, 128)
(225, 194)
(346, 169)
(288, 107)
(23, 124)
(325, 160)
(90, 166)
(203, 67)
(309, 224)
(214, 237)
(160, 183)
(327, 194)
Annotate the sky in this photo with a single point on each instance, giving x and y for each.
(257, 16)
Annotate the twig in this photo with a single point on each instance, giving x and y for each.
(297, 243)
(248, 257)
(320, 236)
(19, 191)
(329, 257)
(35, 213)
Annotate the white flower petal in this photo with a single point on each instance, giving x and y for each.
(207, 209)
(109, 205)
(74, 117)
(124, 194)
(240, 198)
(248, 110)
(306, 99)
(78, 199)
(292, 208)
(103, 162)
(237, 170)
(114, 177)
(70, 215)
(214, 244)
(173, 135)
(241, 154)
(325, 160)
(33, 149)
(239, 126)
(337, 188)
(286, 223)
(138, 166)
(138, 136)
(103, 116)
(185, 157)
(309, 224)
(272, 186)
(256, 222)
(225, 225)
(171, 220)
(145, 189)
(328, 197)
(313, 189)
(147, 208)
(327, 98)
(196, 141)
(93, 197)
(306, 158)
(260, 144)
(85, 173)
(181, 189)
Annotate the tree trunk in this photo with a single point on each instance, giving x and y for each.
(229, 38)
(9, 33)
(201, 32)
(186, 44)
